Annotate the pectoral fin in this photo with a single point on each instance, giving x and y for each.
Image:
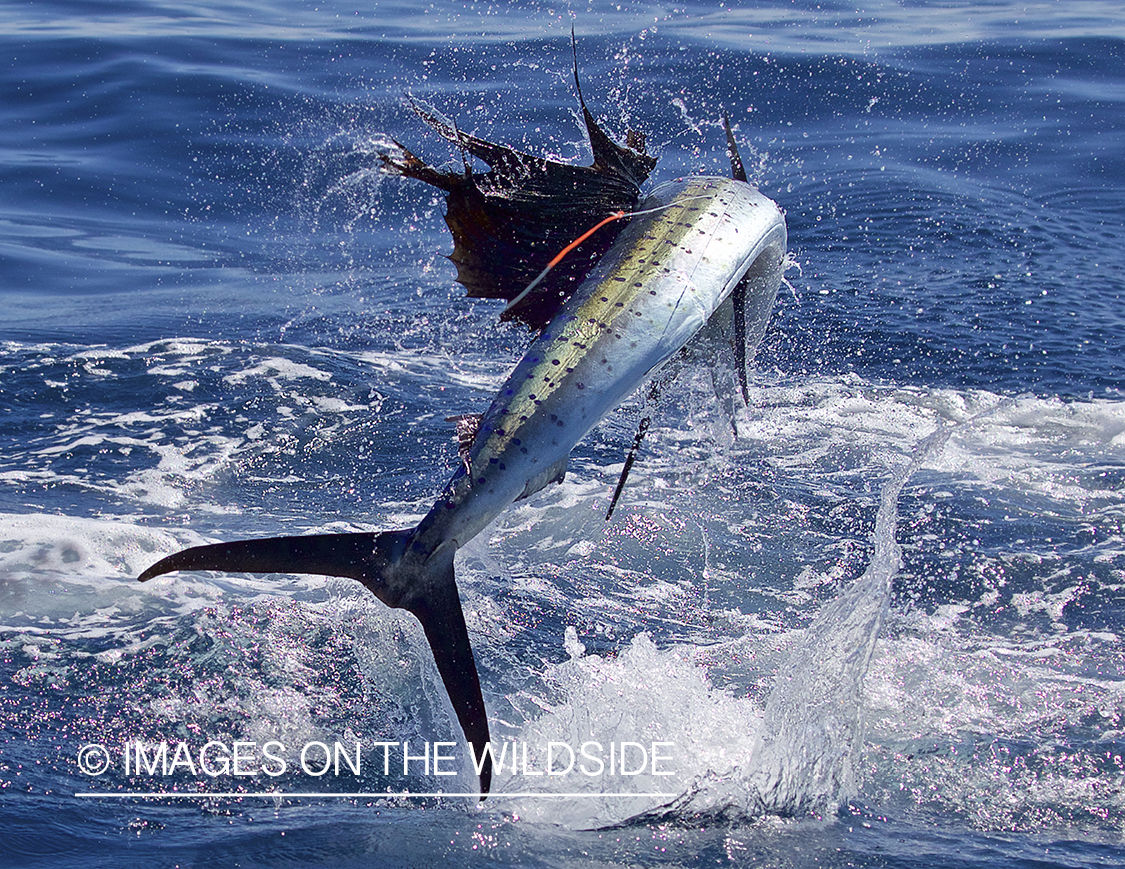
(737, 167)
(738, 173)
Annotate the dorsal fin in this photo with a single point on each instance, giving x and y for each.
(631, 161)
(509, 222)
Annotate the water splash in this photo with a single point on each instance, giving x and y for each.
(805, 752)
(812, 730)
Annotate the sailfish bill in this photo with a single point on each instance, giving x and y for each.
(607, 325)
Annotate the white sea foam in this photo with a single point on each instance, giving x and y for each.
(807, 755)
(704, 581)
(277, 368)
(481, 373)
(644, 696)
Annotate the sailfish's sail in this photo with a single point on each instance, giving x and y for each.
(509, 222)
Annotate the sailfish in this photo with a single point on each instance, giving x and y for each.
(614, 283)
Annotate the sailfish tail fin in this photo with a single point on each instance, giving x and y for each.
(381, 562)
(347, 555)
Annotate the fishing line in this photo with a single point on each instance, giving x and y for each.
(561, 255)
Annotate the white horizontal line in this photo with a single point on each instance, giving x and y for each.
(269, 795)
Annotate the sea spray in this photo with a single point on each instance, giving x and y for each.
(804, 757)
(797, 756)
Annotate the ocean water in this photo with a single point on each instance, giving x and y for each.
(879, 621)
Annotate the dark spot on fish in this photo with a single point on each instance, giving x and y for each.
(581, 385)
(554, 361)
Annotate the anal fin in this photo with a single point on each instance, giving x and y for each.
(553, 474)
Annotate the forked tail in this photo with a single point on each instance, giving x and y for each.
(383, 563)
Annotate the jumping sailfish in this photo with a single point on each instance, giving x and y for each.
(640, 278)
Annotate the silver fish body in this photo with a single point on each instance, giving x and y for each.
(668, 271)
(666, 275)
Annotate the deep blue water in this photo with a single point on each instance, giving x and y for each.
(217, 320)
